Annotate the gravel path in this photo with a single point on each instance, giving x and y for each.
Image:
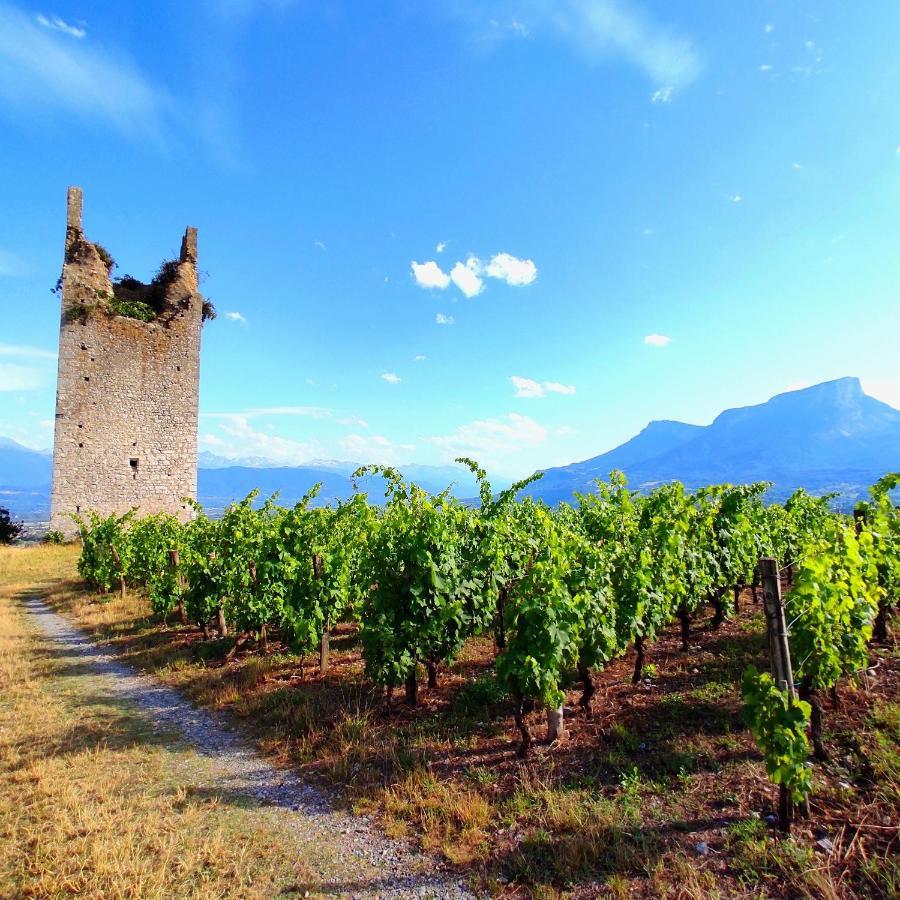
(351, 858)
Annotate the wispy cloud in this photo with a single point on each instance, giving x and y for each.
(492, 441)
(391, 378)
(598, 30)
(320, 413)
(374, 448)
(10, 265)
(420, 357)
(55, 23)
(238, 438)
(527, 388)
(440, 247)
(662, 95)
(657, 340)
(24, 351)
(31, 371)
(430, 275)
(43, 69)
(736, 198)
(15, 377)
(236, 317)
(441, 319)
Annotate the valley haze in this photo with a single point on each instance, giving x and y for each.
(828, 438)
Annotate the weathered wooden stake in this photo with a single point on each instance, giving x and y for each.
(780, 661)
(325, 642)
(118, 561)
(556, 729)
(175, 564)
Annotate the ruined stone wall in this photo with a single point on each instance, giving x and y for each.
(127, 390)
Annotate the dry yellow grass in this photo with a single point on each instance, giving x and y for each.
(92, 803)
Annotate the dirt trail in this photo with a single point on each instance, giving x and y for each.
(350, 857)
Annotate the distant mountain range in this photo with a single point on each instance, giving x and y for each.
(830, 437)
(25, 476)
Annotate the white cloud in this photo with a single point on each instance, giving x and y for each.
(554, 387)
(391, 378)
(769, 28)
(796, 167)
(527, 388)
(662, 95)
(236, 317)
(514, 271)
(430, 275)
(736, 198)
(657, 340)
(374, 448)
(765, 67)
(466, 276)
(441, 319)
(441, 246)
(55, 23)
(239, 438)
(421, 357)
(40, 69)
(319, 245)
(14, 377)
(492, 441)
(352, 421)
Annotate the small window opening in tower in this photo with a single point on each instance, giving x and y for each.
(133, 463)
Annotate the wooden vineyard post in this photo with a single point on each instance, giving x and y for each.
(556, 729)
(175, 564)
(780, 661)
(118, 561)
(263, 629)
(325, 645)
(221, 624)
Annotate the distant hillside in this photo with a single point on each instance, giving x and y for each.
(830, 437)
(21, 467)
(25, 477)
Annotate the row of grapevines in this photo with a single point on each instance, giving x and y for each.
(562, 590)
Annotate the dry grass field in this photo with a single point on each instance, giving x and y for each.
(92, 802)
(660, 793)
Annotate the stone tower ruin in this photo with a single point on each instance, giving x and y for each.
(127, 388)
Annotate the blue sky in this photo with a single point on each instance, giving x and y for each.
(618, 210)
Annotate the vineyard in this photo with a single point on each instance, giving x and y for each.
(559, 594)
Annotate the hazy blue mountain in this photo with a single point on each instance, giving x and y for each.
(208, 460)
(22, 467)
(216, 488)
(829, 437)
(657, 438)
